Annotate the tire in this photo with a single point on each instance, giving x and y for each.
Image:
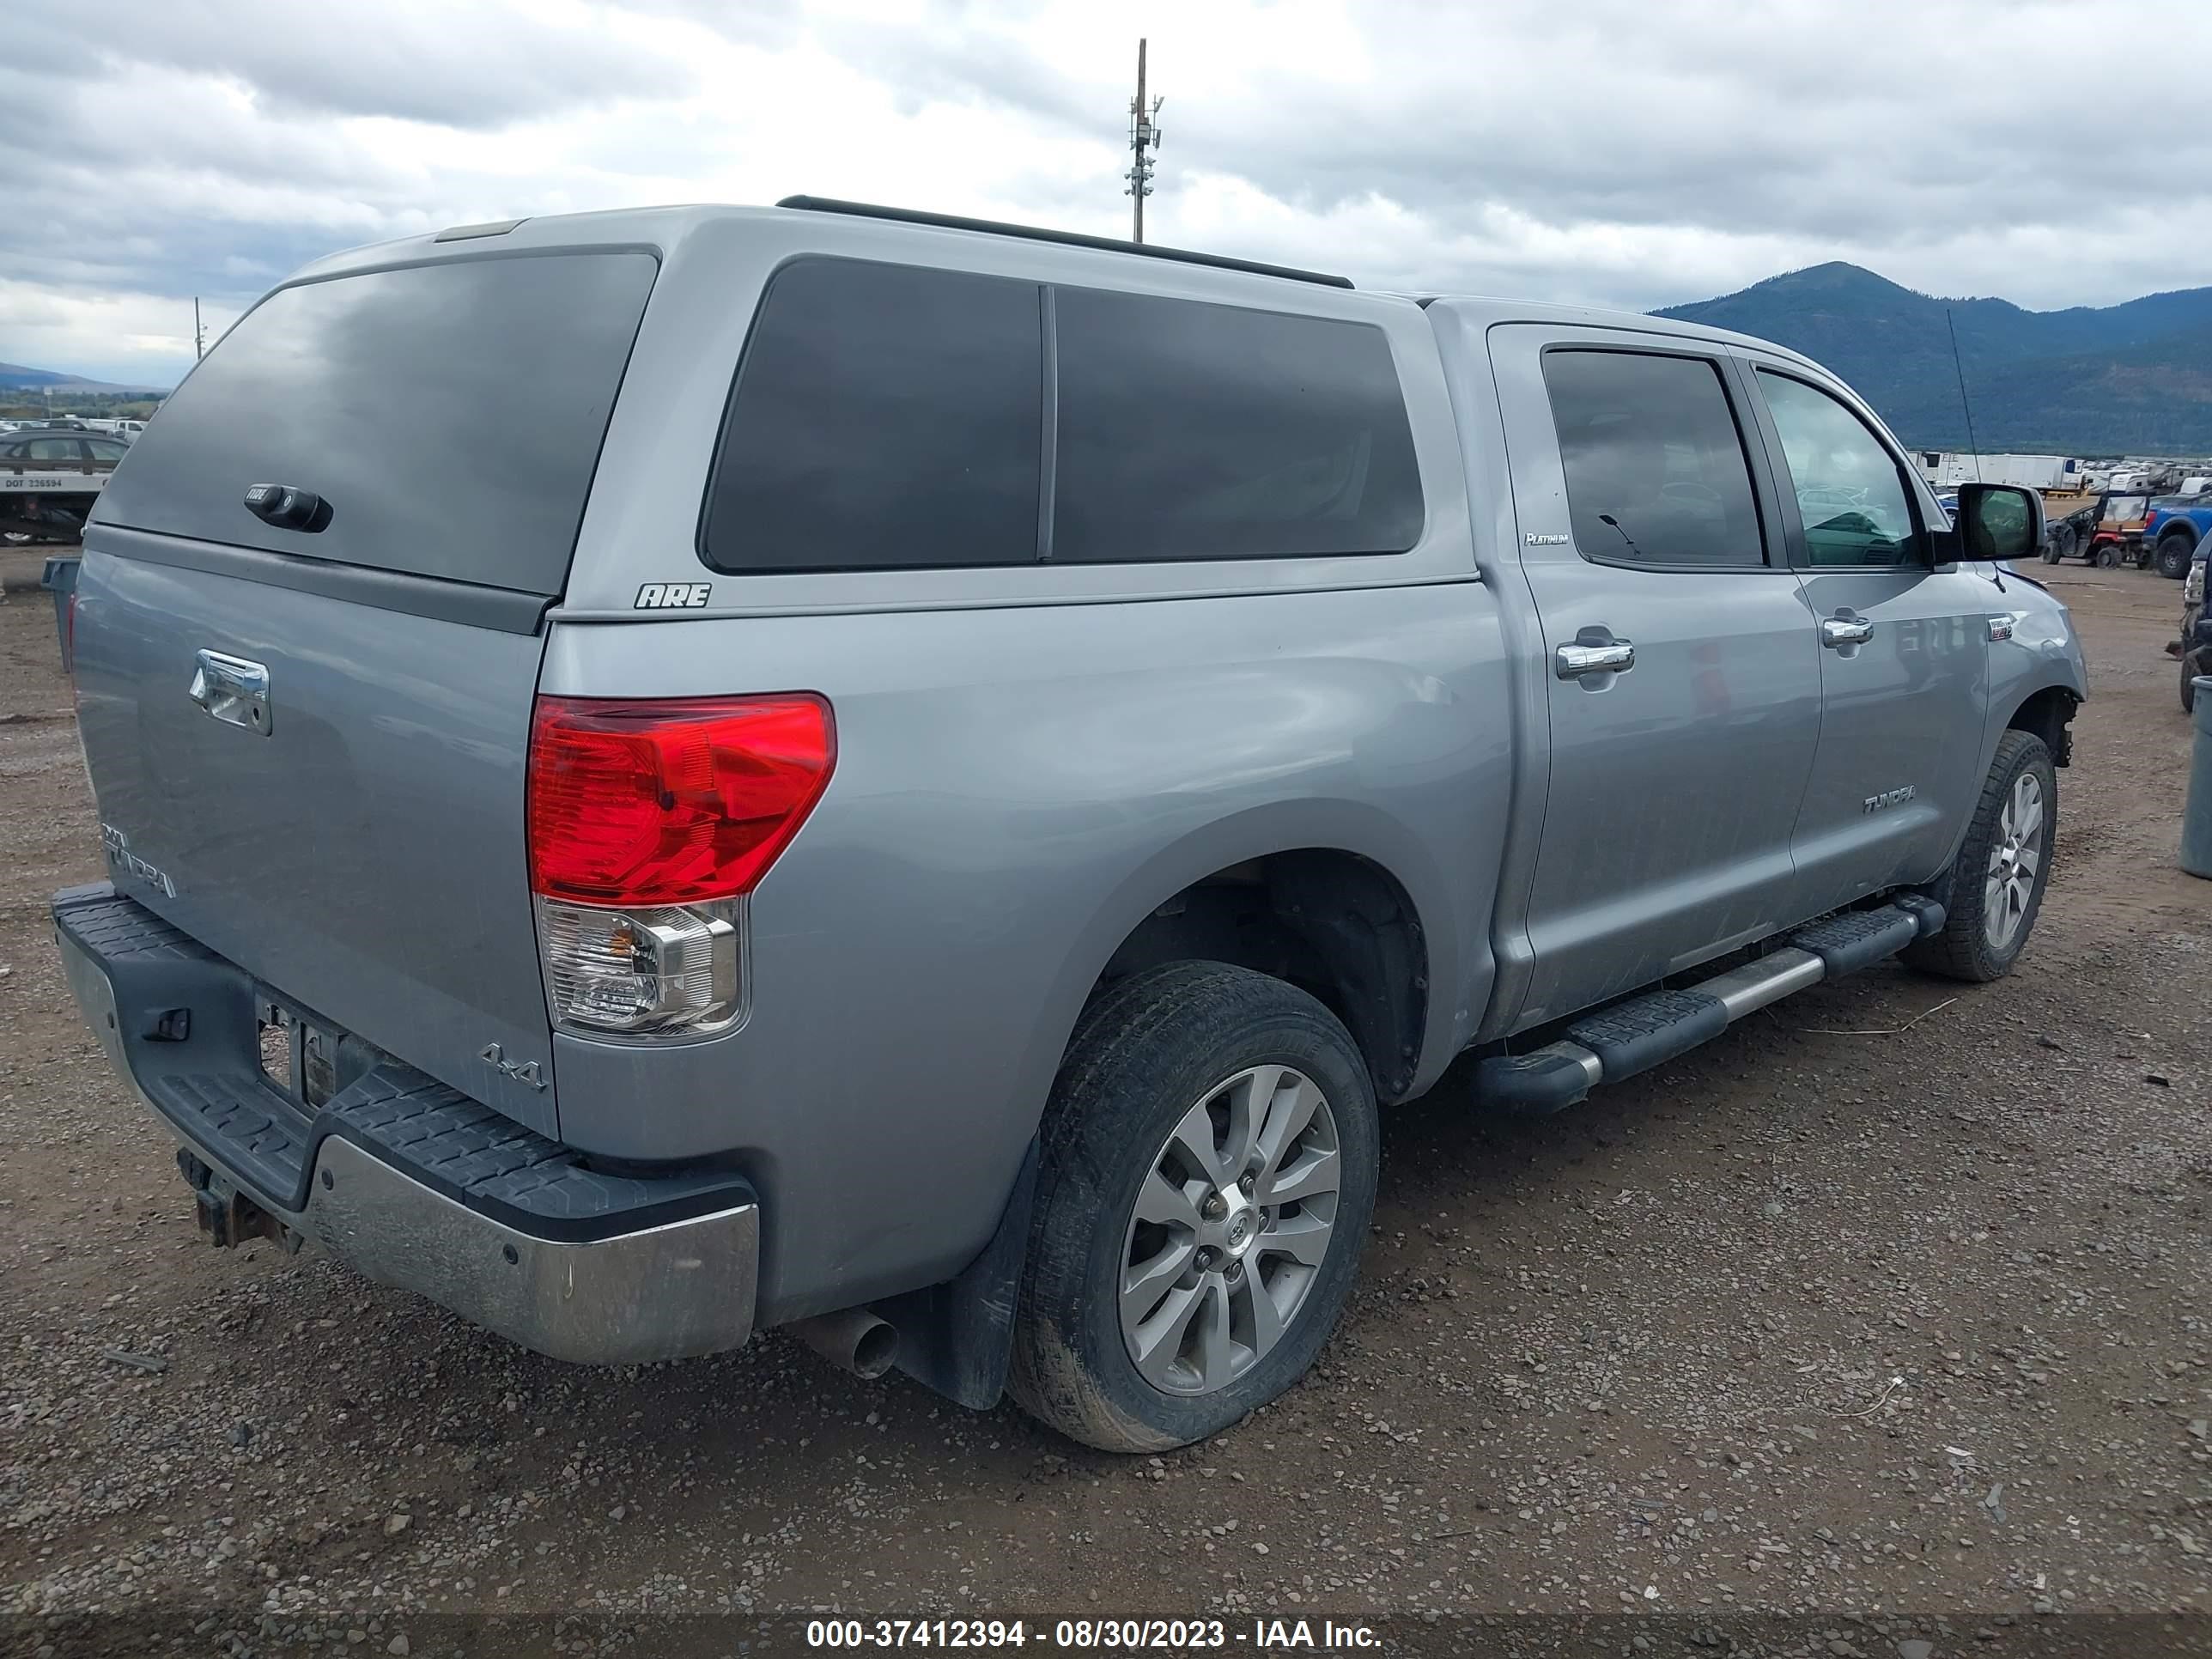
(1189, 1040)
(2108, 557)
(2173, 553)
(2057, 545)
(1985, 879)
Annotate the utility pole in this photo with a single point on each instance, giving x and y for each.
(199, 339)
(1144, 139)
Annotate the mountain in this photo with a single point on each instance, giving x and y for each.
(2133, 378)
(14, 377)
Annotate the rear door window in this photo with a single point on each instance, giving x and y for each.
(1190, 431)
(885, 417)
(451, 414)
(1655, 463)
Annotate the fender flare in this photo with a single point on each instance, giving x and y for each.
(1284, 826)
(2054, 676)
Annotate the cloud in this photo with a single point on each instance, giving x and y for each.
(1609, 151)
(471, 66)
(141, 338)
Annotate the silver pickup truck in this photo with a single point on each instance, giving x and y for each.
(667, 774)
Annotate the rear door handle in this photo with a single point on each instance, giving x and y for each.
(1613, 657)
(1841, 629)
(231, 688)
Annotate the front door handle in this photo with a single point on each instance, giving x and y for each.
(1844, 628)
(1613, 657)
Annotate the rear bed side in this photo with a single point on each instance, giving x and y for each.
(1031, 759)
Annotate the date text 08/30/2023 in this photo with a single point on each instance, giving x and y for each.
(1127, 1635)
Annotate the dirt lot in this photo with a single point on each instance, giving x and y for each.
(1878, 1327)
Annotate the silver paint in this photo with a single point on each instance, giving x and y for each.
(1033, 759)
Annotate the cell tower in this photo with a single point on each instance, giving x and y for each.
(1144, 140)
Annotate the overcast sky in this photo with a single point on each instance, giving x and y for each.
(1635, 153)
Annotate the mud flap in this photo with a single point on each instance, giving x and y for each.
(957, 1339)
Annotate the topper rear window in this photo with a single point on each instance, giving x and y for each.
(451, 414)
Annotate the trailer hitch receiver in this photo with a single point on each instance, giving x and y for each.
(227, 1216)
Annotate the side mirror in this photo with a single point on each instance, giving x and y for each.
(1999, 521)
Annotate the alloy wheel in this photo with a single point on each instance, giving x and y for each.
(1230, 1229)
(2009, 884)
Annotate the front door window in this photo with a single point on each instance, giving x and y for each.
(1851, 491)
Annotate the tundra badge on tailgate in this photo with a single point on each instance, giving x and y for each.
(672, 596)
(120, 854)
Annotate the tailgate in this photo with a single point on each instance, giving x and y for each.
(307, 733)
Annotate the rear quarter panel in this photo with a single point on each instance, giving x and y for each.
(1015, 788)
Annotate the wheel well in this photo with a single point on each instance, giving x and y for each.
(2046, 715)
(1333, 923)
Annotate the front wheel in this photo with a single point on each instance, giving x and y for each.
(1993, 888)
(1207, 1173)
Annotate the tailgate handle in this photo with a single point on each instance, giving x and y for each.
(234, 690)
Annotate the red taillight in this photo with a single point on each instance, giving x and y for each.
(670, 801)
(2150, 517)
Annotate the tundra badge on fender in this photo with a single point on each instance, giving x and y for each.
(672, 596)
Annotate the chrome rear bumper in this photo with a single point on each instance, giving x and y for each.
(664, 1290)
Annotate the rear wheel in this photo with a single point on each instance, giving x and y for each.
(2108, 555)
(2173, 553)
(1994, 889)
(1207, 1174)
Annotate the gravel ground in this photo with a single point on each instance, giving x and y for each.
(1878, 1327)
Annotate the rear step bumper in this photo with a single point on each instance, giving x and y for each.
(409, 1182)
(1647, 1030)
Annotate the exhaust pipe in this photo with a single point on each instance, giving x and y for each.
(853, 1339)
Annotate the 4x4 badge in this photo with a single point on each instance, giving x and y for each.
(524, 1072)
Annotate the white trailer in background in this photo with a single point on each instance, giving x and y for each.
(1947, 469)
(46, 501)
